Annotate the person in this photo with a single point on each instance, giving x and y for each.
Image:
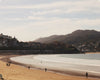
(45, 69)
(28, 67)
(86, 74)
(1, 78)
(7, 64)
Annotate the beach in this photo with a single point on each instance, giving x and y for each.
(56, 63)
(70, 66)
(17, 72)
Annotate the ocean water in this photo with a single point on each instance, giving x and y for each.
(76, 62)
(82, 56)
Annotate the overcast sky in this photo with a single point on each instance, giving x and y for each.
(31, 19)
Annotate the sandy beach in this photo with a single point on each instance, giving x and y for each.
(17, 72)
(72, 66)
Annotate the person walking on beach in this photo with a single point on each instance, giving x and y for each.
(28, 67)
(7, 64)
(1, 78)
(45, 69)
(86, 74)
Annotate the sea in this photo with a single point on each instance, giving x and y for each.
(64, 62)
(82, 56)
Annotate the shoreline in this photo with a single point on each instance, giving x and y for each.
(62, 72)
(92, 53)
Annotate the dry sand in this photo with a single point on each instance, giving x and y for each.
(16, 72)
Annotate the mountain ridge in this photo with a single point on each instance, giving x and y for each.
(72, 37)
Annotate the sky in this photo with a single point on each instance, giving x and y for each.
(28, 20)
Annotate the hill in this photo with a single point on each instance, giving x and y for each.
(9, 43)
(73, 38)
(89, 39)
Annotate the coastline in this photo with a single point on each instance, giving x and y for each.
(60, 75)
(92, 53)
(68, 71)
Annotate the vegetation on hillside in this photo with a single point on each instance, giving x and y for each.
(83, 40)
(9, 43)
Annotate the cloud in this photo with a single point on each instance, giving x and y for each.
(35, 18)
(56, 4)
(59, 8)
(58, 22)
(38, 6)
(45, 27)
(55, 11)
(30, 21)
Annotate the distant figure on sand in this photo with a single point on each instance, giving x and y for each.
(86, 74)
(28, 67)
(7, 64)
(1, 78)
(45, 69)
